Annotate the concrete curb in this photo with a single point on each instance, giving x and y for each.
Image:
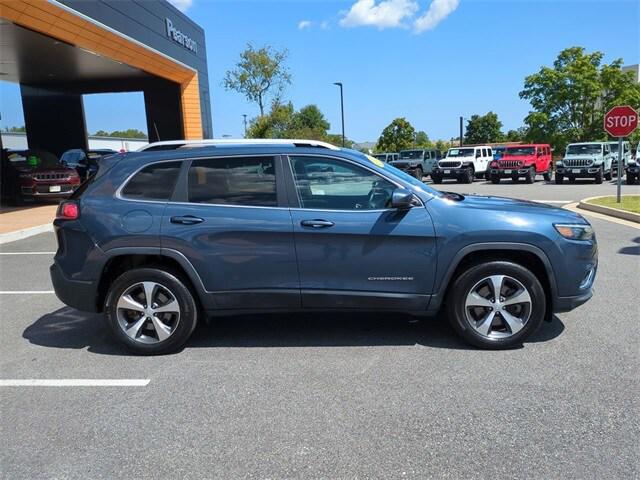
(25, 232)
(613, 212)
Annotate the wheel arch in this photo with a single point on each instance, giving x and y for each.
(529, 256)
(120, 260)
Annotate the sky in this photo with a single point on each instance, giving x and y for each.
(430, 61)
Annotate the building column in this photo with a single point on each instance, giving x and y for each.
(54, 119)
(162, 106)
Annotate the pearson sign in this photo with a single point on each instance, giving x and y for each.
(177, 36)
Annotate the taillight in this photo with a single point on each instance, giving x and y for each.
(68, 211)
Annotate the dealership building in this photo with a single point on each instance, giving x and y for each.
(58, 50)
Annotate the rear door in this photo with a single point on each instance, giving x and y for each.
(232, 223)
(354, 251)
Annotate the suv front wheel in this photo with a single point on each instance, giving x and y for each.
(150, 311)
(496, 305)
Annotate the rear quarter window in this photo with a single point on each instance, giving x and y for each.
(153, 182)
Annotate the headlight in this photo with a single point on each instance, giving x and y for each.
(574, 231)
(25, 175)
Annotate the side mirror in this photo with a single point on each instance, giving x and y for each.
(401, 198)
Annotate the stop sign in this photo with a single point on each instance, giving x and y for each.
(621, 121)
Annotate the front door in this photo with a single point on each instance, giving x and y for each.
(354, 251)
(234, 227)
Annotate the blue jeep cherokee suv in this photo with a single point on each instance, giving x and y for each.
(157, 240)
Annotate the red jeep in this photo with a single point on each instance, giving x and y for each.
(523, 161)
(35, 174)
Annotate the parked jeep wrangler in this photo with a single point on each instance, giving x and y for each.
(464, 164)
(417, 162)
(633, 168)
(523, 161)
(585, 160)
(626, 156)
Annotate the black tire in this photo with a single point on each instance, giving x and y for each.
(598, 177)
(468, 176)
(547, 175)
(487, 175)
(418, 173)
(530, 177)
(609, 176)
(495, 179)
(559, 179)
(463, 284)
(177, 286)
(631, 179)
(436, 178)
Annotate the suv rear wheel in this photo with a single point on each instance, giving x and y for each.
(496, 305)
(150, 311)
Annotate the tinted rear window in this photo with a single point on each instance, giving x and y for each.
(153, 182)
(248, 181)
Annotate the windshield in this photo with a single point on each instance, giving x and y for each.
(520, 151)
(412, 154)
(381, 156)
(460, 152)
(614, 147)
(584, 149)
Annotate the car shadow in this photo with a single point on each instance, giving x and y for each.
(70, 329)
(633, 250)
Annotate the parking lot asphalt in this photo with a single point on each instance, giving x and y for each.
(326, 396)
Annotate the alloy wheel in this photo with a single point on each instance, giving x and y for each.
(498, 306)
(148, 312)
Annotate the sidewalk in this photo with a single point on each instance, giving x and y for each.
(16, 219)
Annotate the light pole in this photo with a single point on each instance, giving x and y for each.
(339, 84)
(244, 115)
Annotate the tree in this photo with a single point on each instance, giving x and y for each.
(483, 129)
(422, 140)
(518, 135)
(259, 75)
(21, 129)
(398, 135)
(570, 98)
(283, 121)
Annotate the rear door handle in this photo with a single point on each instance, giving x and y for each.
(317, 223)
(187, 220)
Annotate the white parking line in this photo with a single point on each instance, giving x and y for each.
(75, 382)
(27, 253)
(25, 292)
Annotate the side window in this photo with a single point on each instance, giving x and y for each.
(489, 152)
(247, 181)
(331, 184)
(153, 182)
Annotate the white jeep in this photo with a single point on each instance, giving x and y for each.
(585, 160)
(464, 164)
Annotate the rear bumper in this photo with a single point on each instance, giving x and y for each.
(80, 295)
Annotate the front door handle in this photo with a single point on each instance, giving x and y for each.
(317, 223)
(187, 220)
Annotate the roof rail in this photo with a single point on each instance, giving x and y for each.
(167, 144)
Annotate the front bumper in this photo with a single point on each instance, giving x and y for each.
(633, 169)
(509, 172)
(578, 171)
(451, 172)
(48, 190)
(77, 294)
(566, 304)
